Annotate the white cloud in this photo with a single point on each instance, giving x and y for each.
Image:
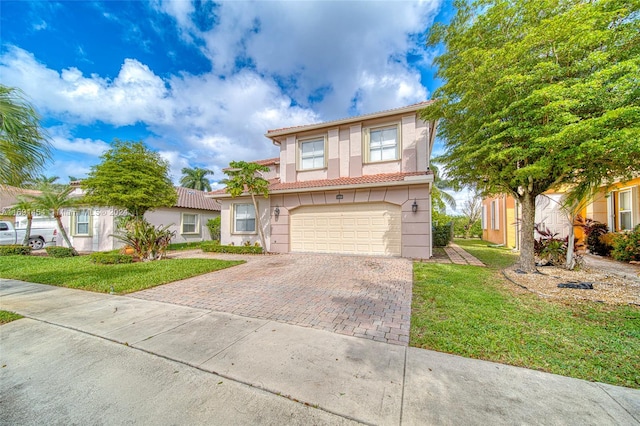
(351, 53)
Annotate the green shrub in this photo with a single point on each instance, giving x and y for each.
(108, 258)
(60, 251)
(214, 228)
(185, 246)
(217, 248)
(441, 235)
(626, 246)
(14, 250)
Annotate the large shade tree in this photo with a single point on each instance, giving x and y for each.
(247, 178)
(24, 146)
(132, 177)
(537, 95)
(196, 179)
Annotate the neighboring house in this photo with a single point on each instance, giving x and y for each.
(617, 206)
(9, 196)
(92, 228)
(359, 185)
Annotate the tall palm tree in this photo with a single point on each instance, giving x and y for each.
(26, 208)
(439, 197)
(196, 179)
(24, 145)
(43, 181)
(55, 201)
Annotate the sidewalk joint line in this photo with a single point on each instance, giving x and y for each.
(599, 385)
(224, 376)
(404, 382)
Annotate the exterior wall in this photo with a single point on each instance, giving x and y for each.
(102, 226)
(227, 237)
(166, 216)
(605, 207)
(416, 227)
(344, 150)
(497, 232)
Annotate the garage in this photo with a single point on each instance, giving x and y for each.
(367, 229)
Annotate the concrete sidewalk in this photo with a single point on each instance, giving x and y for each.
(84, 357)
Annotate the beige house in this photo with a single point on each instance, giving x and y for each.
(359, 185)
(92, 228)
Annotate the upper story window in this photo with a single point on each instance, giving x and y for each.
(244, 218)
(189, 223)
(312, 154)
(82, 220)
(382, 143)
(625, 210)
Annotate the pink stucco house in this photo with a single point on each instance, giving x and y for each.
(359, 185)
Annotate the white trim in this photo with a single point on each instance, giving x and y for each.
(366, 142)
(75, 223)
(233, 219)
(196, 228)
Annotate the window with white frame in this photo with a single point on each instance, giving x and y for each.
(495, 215)
(189, 223)
(82, 222)
(483, 219)
(625, 210)
(244, 218)
(312, 154)
(382, 143)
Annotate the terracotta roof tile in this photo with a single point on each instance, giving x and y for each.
(275, 184)
(194, 199)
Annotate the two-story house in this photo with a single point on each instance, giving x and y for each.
(359, 185)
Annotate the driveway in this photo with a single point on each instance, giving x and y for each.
(368, 297)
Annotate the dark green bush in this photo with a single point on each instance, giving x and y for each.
(60, 251)
(217, 248)
(107, 258)
(14, 250)
(626, 246)
(441, 235)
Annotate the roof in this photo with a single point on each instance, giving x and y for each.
(295, 129)
(275, 185)
(194, 199)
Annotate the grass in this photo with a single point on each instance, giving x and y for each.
(474, 312)
(6, 317)
(80, 273)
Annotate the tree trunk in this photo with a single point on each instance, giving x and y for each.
(27, 233)
(259, 225)
(527, 254)
(571, 261)
(65, 237)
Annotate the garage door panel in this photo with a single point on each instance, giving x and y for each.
(352, 228)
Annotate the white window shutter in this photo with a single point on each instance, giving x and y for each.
(497, 213)
(484, 217)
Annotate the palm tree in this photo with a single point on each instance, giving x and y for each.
(247, 178)
(24, 145)
(27, 207)
(43, 181)
(196, 179)
(439, 197)
(55, 201)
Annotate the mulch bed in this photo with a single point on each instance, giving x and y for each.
(556, 283)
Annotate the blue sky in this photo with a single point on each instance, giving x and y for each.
(202, 82)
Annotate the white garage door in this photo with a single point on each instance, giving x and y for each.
(372, 229)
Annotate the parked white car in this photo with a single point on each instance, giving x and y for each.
(39, 237)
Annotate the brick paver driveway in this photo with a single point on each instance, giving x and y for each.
(367, 297)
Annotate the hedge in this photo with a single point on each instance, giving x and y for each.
(217, 248)
(13, 250)
(108, 258)
(441, 235)
(59, 251)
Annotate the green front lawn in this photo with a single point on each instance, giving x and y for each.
(6, 316)
(474, 312)
(80, 273)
